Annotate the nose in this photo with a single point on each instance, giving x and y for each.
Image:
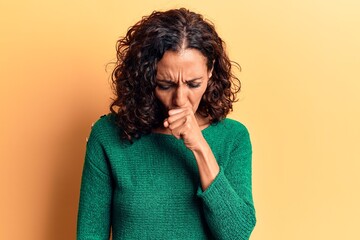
(180, 96)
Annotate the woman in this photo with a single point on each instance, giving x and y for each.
(167, 163)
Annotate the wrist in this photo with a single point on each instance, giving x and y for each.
(201, 147)
(207, 165)
(205, 157)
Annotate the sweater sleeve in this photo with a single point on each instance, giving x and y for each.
(227, 202)
(94, 215)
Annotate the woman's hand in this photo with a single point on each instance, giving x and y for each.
(183, 125)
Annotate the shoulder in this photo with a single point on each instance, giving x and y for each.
(104, 127)
(232, 123)
(232, 127)
(227, 132)
(104, 121)
(240, 136)
(229, 136)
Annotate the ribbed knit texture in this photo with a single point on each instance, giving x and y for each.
(151, 189)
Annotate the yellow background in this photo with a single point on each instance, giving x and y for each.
(300, 101)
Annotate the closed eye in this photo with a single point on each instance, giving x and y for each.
(167, 84)
(193, 84)
(164, 86)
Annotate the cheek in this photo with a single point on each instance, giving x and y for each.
(163, 98)
(158, 96)
(196, 98)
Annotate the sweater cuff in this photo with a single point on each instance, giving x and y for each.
(214, 187)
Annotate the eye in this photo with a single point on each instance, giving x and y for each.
(193, 85)
(163, 86)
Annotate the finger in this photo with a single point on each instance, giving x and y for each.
(181, 131)
(166, 123)
(178, 115)
(179, 122)
(176, 111)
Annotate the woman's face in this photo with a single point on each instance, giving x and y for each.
(182, 78)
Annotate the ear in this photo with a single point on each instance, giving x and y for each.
(211, 70)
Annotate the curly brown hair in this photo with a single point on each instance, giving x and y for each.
(136, 108)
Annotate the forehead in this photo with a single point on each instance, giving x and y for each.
(185, 60)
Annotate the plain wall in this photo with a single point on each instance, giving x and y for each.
(300, 100)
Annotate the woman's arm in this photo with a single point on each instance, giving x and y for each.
(184, 125)
(226, 191)
(94, 215)
(227, 202)
(207, 164)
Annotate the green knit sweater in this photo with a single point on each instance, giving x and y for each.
(150, 189)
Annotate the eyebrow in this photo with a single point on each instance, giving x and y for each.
(172, 82)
